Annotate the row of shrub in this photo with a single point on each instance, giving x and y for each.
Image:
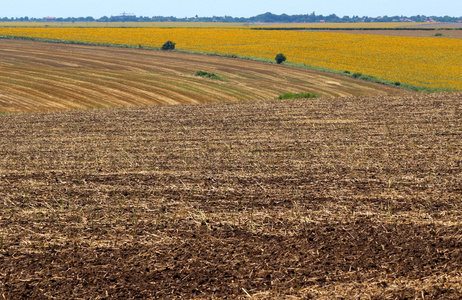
(371, 78)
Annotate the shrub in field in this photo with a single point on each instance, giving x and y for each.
(296, 96)
(356, 75)
(280, 58)
(169, 45)
(208, 75)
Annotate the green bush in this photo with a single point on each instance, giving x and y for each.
(296, 96)
(169, 45)
(356, 75)
(208, 75)
(280, 58)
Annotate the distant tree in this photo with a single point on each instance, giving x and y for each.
(280, 58)
(169, 45)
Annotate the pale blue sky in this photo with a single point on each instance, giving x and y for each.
(235, 8)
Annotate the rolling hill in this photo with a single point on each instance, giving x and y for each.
(39, 76)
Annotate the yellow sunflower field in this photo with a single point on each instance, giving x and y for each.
(423, 61)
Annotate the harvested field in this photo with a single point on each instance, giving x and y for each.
(457, 34)
(438, 25)
(328, 198)
(37, 76)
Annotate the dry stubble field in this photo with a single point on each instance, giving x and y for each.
(457, 34)
(38, 76)
(355, 197)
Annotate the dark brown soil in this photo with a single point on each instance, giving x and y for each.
(331, 198)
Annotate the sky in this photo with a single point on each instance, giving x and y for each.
(234, 8)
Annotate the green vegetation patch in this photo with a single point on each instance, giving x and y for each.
(297, 96)
(440, 34)
(208, 75)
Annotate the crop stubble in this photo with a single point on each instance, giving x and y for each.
(37, 76)
(320, 198)
(410, 33)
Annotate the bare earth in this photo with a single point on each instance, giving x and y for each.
(329, 198)
(38, 76)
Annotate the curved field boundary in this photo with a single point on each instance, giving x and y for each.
(421, 62)
(38, 76)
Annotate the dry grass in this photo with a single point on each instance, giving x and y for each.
(355, 197)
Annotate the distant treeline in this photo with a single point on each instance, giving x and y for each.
(262, 18)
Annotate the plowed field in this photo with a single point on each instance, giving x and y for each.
(328, 198)
(38, 76)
